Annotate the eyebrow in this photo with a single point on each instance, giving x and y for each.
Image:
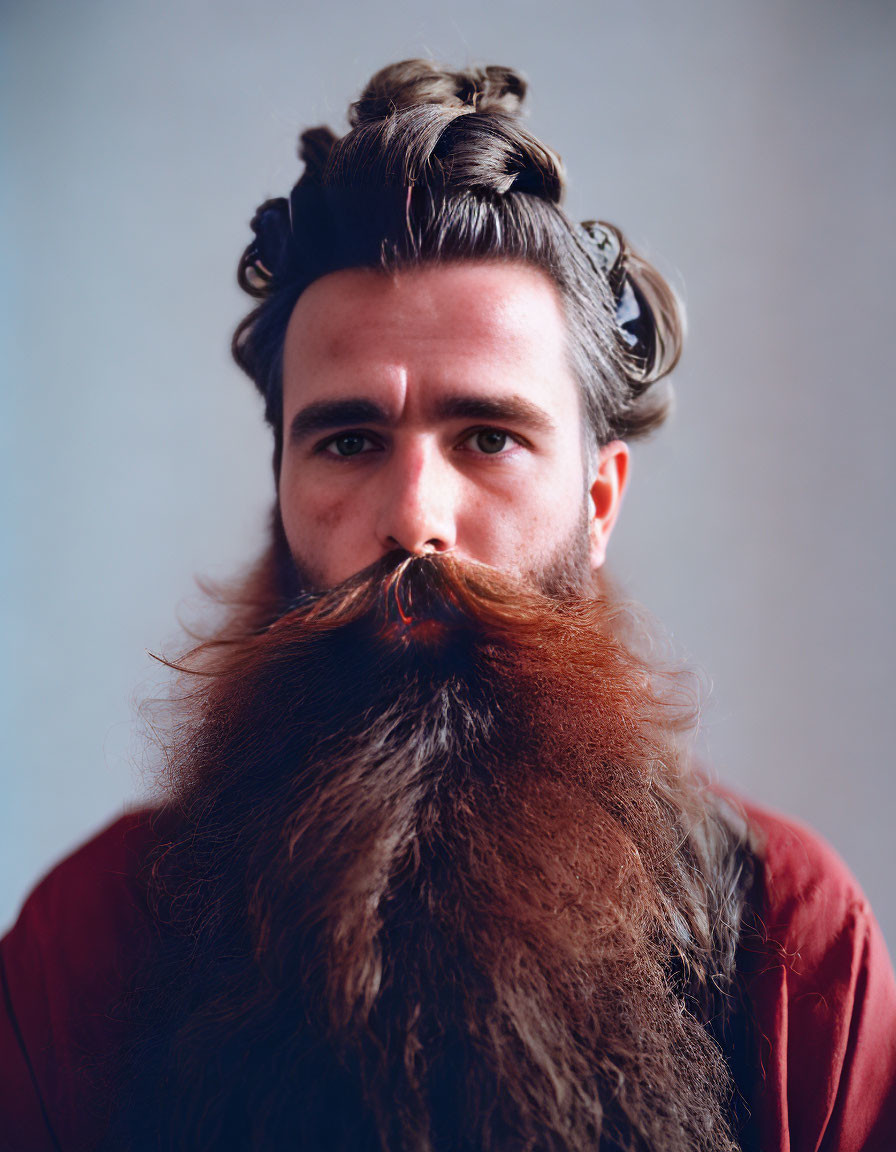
(513, 409)
(326, 414)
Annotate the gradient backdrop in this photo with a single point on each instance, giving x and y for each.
(748, 147)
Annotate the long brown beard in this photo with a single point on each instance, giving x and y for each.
(438, 878)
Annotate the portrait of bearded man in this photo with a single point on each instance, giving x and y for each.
(434, 866)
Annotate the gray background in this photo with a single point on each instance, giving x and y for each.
(747, 147)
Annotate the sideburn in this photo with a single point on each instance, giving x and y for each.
(438, 878)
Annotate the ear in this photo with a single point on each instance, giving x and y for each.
(606, 497)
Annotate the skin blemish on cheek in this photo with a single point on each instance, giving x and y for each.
(330, 515)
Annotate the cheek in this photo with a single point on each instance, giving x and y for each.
(313, 518)
(525, 526)
(327, 516)
(557, 512)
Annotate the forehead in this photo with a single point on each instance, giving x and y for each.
(449, 323)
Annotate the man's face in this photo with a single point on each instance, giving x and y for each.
(434, 411)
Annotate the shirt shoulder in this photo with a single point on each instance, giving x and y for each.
(824, 996)
(63, 966)
(807, 887)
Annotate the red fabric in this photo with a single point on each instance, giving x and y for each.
(62, 966)
(824, 999)
(822, 990)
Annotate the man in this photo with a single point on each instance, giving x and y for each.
(434, 868)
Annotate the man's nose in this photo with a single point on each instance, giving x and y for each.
(417, 510)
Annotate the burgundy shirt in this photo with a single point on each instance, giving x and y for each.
(822, 990)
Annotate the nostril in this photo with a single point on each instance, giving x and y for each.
(436, 546)
(432, 545)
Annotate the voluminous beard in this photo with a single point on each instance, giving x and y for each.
(438, 878)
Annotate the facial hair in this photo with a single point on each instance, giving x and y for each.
(566, 571)
(437, 877)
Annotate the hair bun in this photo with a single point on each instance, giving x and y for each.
(315, 146)
(413, 82)
(417, 123)
(649, 317)
(266, 255)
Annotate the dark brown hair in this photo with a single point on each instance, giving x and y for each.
(438, 166)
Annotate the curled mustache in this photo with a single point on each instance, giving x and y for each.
(438, 877)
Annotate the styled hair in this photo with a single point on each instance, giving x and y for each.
(438, 166)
